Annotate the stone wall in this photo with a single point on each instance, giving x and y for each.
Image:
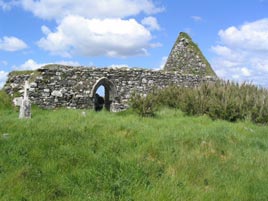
(74, 87)
(55, 86)
(187, 58)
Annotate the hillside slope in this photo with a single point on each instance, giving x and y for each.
(77, 155)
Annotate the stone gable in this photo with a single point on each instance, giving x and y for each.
(187, 58)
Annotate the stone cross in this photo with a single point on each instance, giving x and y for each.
(25, 107)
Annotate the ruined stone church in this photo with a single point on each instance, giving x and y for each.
(56, 85)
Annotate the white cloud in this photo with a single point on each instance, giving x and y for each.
(242, 53)
(49, 9)
(45, 30)
(246, 72)
(5, 6)
(250, 36)
(93, 28)
(197, 18)
(3, 78)
(260, 63)
(76, 35)
(163, 62)
(156, 45)
(12, 44)
(232, 57)
(30, 64)
(151, 23)
(118, 66)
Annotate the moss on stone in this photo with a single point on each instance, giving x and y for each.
(32, 74)
(194, 46)
(21, 72)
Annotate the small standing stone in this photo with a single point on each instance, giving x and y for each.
(84, 113)
(5, 135)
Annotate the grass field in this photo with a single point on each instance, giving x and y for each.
(69, 155)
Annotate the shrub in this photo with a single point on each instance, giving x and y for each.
(220, 100)
(144, 105)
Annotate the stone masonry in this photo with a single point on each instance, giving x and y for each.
(187, 58)
(54, 86)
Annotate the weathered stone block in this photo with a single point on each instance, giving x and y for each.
(57, 93)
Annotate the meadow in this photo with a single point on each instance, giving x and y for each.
(83, 155)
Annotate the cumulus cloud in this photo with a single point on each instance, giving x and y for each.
(76, 35)
(250, 36)
(30, 64)
(12, 44)
(94, 28)
(57, 10)
(151, 23)
(242, 53)
(3, 78)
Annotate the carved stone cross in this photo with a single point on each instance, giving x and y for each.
(25, 107)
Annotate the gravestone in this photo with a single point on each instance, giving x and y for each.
(25, 107)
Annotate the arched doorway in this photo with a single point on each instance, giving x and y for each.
(109, 94)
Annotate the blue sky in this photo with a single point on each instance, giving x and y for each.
(233, 35)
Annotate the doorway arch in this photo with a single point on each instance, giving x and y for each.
(109, 92)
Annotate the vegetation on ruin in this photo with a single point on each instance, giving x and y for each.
(21, 72)
(196, 49)
(83, 155)
(32, 73)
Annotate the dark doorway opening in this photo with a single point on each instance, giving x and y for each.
(103, 94)
(98, 102)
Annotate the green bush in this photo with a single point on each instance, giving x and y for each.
(220, 100)
(145, 106)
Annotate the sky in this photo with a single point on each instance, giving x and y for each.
(232, 34)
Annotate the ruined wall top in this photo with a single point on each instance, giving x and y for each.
(187, 58)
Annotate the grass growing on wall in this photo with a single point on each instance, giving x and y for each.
(32, 74)
(66, 155)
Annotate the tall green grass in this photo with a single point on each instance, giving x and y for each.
(221, 100)
(71, 155)
(5, 101)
